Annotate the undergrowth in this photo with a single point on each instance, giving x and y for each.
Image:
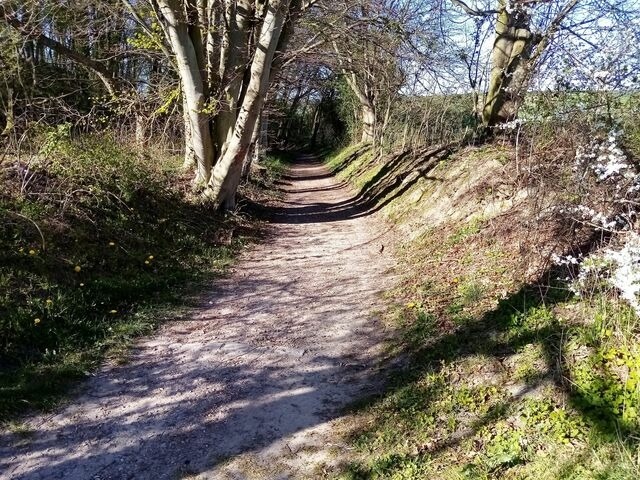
(509, 374)
(98, 243)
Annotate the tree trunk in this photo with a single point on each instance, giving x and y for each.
(193, 87)
(405, 132)
(368, 123)
(9, 115)
(316, 126)
(141, 130)
(511, 50)
(284, 126)
(367, 109)
(385, 123)
(228, 171)
(190, 161)
(233, 60)
(254, 150)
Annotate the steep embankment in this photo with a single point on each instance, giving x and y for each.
(510, 374)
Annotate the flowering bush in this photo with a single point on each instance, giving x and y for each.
(604, 187)
(605, 158)
(618, 269)
(626, 274)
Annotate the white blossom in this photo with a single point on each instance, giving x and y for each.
(511, 125)
(618, 269)
(566, 260)
(586, 214)
(604, 158)
(626, 275)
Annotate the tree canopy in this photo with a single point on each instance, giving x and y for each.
(208, 72)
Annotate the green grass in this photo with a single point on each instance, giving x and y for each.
(488, 400)
(347, 162)
(101, 246)
(275, 163)
(473, 227)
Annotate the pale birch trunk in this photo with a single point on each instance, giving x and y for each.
(254, 150)
(228, 170)
(9, 115)
(141, 130)
(233, 59)
(193, 85)
(190, 161)
(367, 110)
(368, 119)
(367, 114)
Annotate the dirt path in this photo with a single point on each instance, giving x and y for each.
(251, 386)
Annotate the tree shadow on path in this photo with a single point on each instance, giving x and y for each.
(398, 173)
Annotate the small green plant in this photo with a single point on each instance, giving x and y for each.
(55, 139)
(471, 292)
(421, 325)
(275, 165)
(473, 227)
(608, 383)
(505, 446)
(530, 363)
(532, 319)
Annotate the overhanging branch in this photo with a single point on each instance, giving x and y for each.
(102, 72)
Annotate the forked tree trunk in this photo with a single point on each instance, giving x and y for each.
(509, 55)
(514, 55)
(228, 170)
(367, 112)
(233, 59)
(193, 85)
(367, 108)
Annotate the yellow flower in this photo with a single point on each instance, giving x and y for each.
(32, 252)
(77, 268)
(113, 311)
(49, 301)
(36, 321)
(112, 244)
(150, 257)
(146, 262)
(82, 284)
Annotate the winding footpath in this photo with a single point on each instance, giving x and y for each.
(253, 385)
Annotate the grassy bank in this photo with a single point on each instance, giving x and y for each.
(516, 367)
(99, 243)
